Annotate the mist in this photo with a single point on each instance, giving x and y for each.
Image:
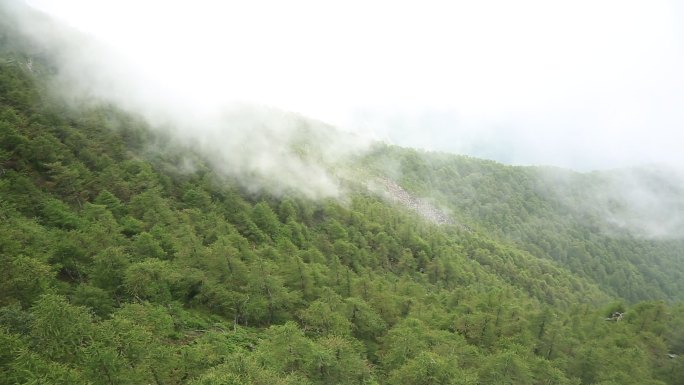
(260, 146)
(584, 85)
(645, 202)
(649, 202)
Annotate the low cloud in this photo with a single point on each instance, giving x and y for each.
(514, 86)
(584, 84)
(644, 202)
(262, 147)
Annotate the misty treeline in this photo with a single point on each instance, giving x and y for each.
(122, 264)
(622, 229)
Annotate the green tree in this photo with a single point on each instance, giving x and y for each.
(506, 367)
(149, 280)
(264, 217)
(325, 317)
(24, 279)
(431, 369)
(59, 329)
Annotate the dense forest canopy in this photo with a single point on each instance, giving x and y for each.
(621, 229)
(121, 265)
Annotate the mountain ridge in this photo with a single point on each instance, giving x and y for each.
(126, 258)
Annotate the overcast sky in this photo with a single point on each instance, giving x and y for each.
(581, 84)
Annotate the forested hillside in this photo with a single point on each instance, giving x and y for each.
(592, 224)
(121, 265)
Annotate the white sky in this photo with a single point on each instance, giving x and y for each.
(581, 83)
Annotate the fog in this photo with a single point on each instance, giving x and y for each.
(579, 84)
(586, 85)
(642, 202)
(647, 202)
(260, 146)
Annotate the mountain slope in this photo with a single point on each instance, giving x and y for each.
(120, 265)
(599, 226)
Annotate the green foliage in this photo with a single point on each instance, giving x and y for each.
(58, 329)
(98, 300)
(58, 214)
(117, 268)
(110, 201)
(429, 369)
(551, 214)
(150, 279)
(24, 279)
